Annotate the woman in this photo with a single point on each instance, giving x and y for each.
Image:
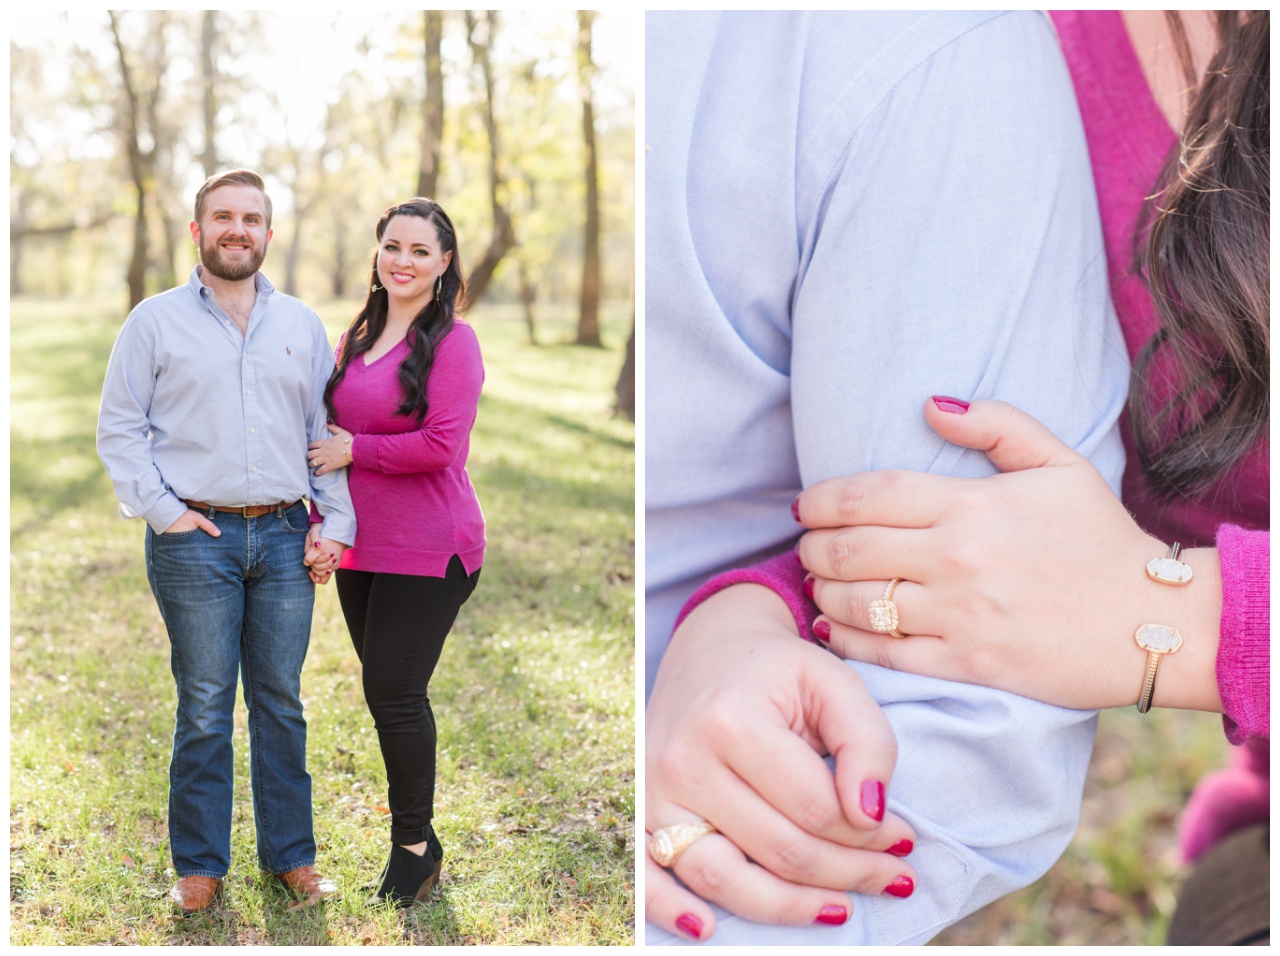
(1033, 581)
(403, 396)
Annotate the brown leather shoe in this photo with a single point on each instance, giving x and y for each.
(195, 893)
(308, 885)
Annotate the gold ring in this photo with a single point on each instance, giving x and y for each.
(884, 613)
(667, 843)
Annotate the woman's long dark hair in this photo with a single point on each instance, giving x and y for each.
(1204, 251)
(429, 326)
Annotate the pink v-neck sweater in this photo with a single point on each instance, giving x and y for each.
(1129, 139)
(415, 507)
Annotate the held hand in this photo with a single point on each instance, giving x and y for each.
(1032, 581)
(741, 714)
(323, 556)
(193, 519)
(332, 453)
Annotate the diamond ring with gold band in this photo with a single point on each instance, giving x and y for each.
(667, 843)
(884, 613)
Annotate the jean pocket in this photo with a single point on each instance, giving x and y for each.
(296, 519)
(174, 535)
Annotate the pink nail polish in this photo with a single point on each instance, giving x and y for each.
(795, 509)
(691, 925)
(901, 848)
(822, 631)
(872, 799)
(901, 887)
(832, 915)
(808, 586)
(956, 406)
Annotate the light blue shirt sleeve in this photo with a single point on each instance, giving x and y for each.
(950, 245)
(329, 492)
(124, 427)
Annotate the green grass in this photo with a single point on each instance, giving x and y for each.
(1118, 881)
(534, 695)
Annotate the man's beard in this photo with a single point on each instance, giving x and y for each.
(211, 259)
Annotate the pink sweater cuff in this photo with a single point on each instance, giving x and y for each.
(1244, 642)
(782, 575)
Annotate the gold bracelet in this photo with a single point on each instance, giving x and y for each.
(346, 453)
(1169, 570)
(1155, 639)
(1158, 639)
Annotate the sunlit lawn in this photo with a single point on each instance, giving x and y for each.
(533, 696)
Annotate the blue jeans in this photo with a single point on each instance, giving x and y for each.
(238, 603)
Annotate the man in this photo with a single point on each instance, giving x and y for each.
(212, 392)
(848, 213)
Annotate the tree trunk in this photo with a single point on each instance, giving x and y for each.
(625, 388)
(15, 268)
(294, 252)
(137, 170)
(208, 82)
(504, 234)
(433, 107)
(527, 296)
(589, 302)
(338, 280)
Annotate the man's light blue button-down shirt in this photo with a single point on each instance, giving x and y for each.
(848, 212)
(193, 409)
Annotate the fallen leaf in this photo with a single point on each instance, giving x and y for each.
(127, 860)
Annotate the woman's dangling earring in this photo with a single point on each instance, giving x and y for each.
(374, 288)
(439, 284)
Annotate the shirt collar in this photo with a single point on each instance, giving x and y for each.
(261, 284)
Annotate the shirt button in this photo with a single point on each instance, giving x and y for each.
(252, 430)
(254, 468)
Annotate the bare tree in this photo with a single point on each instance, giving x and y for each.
(139, 102)
(624, 390)
(208, 84)
(504, 234)
(433, 106)
(589, 302)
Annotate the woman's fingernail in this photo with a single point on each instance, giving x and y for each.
(872, 797)
(901, 887)
(901, 848)
(833, 915)
(956, 406)
(691, 925)
(808, 586)
(822, 631)
(795, 509)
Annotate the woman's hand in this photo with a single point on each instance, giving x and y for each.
(332, 453)
(322, 556)
(740, 717)
(1033, 581)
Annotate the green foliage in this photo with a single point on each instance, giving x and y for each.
(534, 695)
(331, 168)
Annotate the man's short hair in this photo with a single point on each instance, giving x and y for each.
(236, 177)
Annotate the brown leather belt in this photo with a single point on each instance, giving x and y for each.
(244, 511)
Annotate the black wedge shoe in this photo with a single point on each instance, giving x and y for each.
(408, 878)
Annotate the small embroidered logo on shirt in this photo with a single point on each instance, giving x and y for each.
(287, 350)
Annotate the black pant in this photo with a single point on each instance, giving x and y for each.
(398, 623)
